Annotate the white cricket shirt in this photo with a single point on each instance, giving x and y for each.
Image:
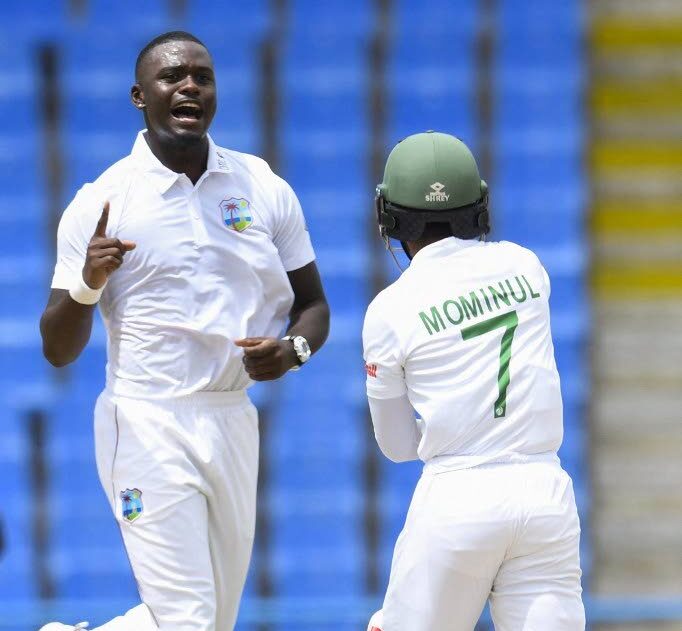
(210, 267)
(465, 334)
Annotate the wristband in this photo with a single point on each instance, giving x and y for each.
(84, 294)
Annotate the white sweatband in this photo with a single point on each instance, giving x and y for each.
(85, 294)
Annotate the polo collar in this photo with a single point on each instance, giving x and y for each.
(162, 177)
(445, 247)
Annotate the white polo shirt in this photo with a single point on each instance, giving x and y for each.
(210, 267)
(465, 334)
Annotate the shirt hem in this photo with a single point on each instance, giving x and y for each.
(298, 263)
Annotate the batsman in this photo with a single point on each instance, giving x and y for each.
(463, 339)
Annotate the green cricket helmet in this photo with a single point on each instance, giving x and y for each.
(431, 178)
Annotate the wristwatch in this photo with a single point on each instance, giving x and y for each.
(302, 349)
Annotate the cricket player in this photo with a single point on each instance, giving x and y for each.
(198, 256)
(463, 338)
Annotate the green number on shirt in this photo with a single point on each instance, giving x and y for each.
(508, 321)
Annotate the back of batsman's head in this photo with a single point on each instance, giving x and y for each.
(432, 179)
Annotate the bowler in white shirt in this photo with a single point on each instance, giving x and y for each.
(199, 259)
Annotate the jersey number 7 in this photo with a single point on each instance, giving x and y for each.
(508, 321)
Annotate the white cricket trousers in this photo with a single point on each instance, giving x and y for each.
(508, 532)
(185, 471)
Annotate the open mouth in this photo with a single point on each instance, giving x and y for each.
(187, 112)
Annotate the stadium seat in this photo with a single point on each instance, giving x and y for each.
(430, 89)
(33, 22)
(239, 24)
(341, 19)
(130, 18)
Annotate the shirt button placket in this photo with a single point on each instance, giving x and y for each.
(200, 235)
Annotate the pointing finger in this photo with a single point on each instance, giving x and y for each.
(101, 229)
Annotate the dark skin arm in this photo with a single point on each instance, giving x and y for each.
(267, 358)
(65, 325)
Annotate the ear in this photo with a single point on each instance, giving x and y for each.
(137, 96)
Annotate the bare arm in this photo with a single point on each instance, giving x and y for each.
(309, 314)
(267, 358)
(65, 325)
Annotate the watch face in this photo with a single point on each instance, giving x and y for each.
(302, 348)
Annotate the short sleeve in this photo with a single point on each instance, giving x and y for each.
(290, 235)
(383, 357)
(73, 236)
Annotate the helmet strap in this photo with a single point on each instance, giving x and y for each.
(406, 250)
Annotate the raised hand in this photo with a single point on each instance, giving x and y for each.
(267, 358)
(104, 255)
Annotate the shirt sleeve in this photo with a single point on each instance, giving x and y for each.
(383, 361)
(395, 428)
(291, 236)
(73, 235)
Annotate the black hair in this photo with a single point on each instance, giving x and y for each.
(171, 36)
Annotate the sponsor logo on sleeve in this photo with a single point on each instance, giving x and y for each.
(371, 370)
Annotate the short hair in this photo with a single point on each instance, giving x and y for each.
(171, 36)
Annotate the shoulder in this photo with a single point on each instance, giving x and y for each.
(245, 162)
(256, 167)
(526, 259)
(380, 309)
(509, 249)
(109, 186)
(113, 182)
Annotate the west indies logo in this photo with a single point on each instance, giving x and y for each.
(236, 213)
(131, 501)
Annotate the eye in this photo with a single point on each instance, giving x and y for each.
(205, 78)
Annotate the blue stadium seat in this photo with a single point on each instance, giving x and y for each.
(20, 162)
(34, 21)
(318, 571)
(16, 579)
(341, 19)
(338, 376)
(20, 108)
(129, 17)
(316, 157)
(22, 365)
(324, 121)
(314, 535)
(89, 154)
(538, 16)
(444, 20)
(239, 24)
(23, 223)
(96, 572)
(430, 85)
(533, 110)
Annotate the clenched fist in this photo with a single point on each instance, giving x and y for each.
(104, 255)
(267, 358)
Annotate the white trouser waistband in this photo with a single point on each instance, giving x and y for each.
(196, 399)
(450, 462)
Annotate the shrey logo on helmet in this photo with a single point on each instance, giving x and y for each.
(437, 194)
